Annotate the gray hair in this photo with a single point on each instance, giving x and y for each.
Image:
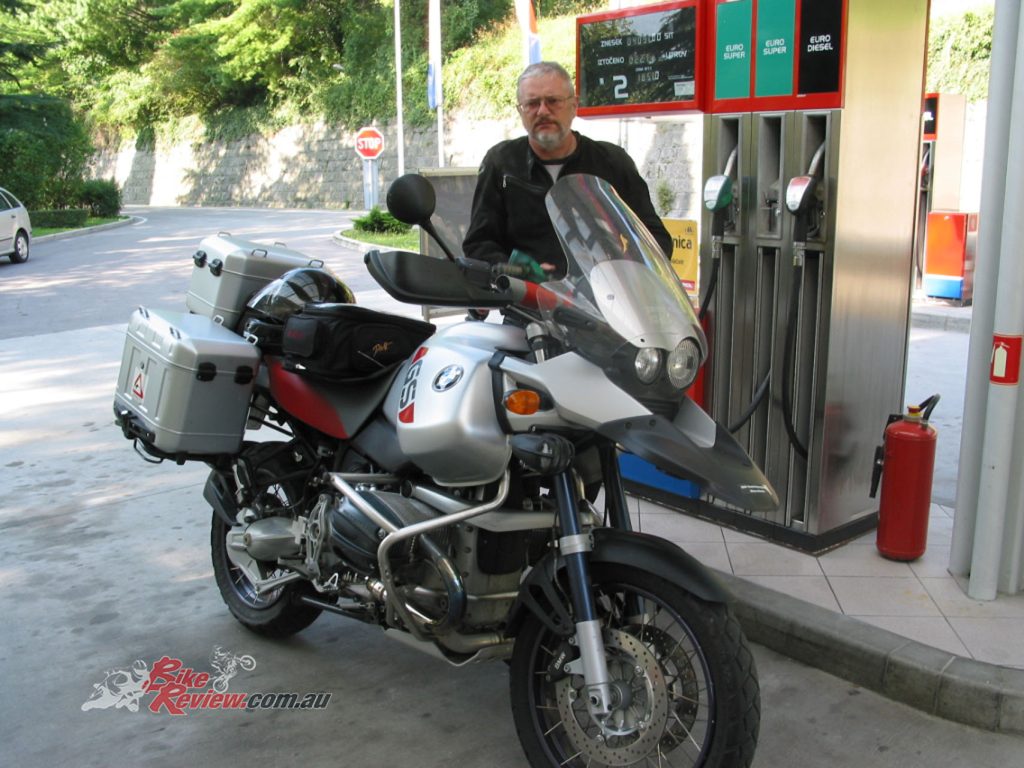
(546, 68)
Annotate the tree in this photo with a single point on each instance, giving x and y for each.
(959, 53)
(16, 54)
(44, 149)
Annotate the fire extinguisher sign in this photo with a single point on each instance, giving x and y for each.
(1004, 366)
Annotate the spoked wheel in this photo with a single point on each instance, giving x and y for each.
(277, 613)
(683, 680)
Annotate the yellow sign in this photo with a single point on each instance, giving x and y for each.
(685, 253)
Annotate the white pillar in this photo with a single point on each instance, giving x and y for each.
(398, 87)
(989, 520)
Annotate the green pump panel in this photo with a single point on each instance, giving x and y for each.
(774, 47)
(732, 49)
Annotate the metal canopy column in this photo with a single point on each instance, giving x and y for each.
(988, 529)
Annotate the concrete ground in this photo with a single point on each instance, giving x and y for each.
(104, 561)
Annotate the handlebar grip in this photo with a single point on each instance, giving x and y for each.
(515, 287)
(513, 270)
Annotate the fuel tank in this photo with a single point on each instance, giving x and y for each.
(442, 404)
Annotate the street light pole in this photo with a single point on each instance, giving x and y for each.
(398, 87)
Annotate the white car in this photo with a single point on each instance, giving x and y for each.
(15, 228)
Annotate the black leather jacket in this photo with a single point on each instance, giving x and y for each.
(508, 204)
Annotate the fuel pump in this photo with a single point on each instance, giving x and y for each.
(718, 198)
(802, 201)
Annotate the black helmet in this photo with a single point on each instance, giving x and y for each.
(281, 298)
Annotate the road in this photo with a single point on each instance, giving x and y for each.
(104, 561)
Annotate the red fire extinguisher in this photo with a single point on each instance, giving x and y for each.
(908, 460)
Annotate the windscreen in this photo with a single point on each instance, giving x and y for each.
(617, 274)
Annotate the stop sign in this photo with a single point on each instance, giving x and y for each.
(369, 143)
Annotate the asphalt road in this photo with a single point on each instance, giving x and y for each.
(98, 279)
(104, 562)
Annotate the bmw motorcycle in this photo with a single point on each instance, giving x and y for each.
(467, 497)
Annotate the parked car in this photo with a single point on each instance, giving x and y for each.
(15, 228)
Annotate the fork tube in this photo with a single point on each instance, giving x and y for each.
(614, 494)
(575, 548)
(579, 573)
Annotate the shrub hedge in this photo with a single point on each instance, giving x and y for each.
(65, 217)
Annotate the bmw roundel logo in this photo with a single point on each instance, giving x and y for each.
(447, 378)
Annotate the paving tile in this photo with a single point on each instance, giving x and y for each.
(940, 532)
(810, 589)
(762, 558)
(934, 631)
(934, 563)
(997, 641)
(860, 561)
(710, 553)
(882, 596)
(733, 536)
(954, 602)
(677, 526)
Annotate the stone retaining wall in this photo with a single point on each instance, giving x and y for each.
(315, 165)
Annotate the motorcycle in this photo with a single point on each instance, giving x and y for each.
(451, 496)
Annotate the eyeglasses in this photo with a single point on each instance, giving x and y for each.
(551, 102)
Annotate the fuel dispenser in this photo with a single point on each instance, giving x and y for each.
(810, 296)
(810, 175)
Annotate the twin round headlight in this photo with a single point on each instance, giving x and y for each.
(682, 364)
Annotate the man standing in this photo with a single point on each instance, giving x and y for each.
(508, 205)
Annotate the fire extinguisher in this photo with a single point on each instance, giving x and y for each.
(907, 457)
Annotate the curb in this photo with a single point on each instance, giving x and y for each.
(952, 687)
(88, 230)
(959, 322)
(348, 242)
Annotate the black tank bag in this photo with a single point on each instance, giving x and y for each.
(345, 342)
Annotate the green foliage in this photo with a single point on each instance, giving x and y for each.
(43, 150)
(377, 220)
(483, 77)
(102, 197)
(133, 64)
(959, 50)
(664, 197)
(64, 218)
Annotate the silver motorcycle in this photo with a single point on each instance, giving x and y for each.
(467, 498)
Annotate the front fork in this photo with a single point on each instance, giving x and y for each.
(575, 548)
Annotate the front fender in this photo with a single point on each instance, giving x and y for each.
(543, 592)
(696, 447)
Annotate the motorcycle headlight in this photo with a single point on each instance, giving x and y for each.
(647, 364)
(683, 363)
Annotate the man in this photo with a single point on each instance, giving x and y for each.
(508, 204)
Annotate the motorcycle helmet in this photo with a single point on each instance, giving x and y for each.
(281, 298)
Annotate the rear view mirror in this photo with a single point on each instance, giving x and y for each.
(411, 199)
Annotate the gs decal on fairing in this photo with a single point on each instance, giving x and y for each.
(407, 403)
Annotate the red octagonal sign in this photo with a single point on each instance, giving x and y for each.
(369, 143)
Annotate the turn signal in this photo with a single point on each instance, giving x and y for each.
(524, 402)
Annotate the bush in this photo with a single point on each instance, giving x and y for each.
(65, 218)
(102, 197)
(380, 221)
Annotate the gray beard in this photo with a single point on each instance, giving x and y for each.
(549, 140)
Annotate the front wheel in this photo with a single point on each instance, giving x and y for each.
(20, 253)
(683, 677)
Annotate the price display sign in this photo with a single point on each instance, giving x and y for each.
(640, 60)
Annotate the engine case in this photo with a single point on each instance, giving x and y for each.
(442, 404)
(356, 537)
